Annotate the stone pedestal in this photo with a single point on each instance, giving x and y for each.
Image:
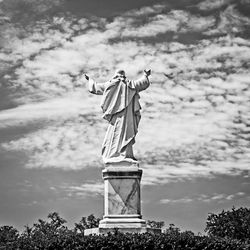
(122, 197)
(122, 200)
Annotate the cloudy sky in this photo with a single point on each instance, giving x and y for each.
(194, 137)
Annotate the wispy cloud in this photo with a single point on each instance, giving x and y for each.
(176, 20)
(182, 200)
(68, 145)
(87, 189)
(213, 4)
(231, 22)
(70, 106)
(205, 198)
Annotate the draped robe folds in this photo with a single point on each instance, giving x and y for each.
(121, 108)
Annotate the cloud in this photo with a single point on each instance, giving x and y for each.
(193, 125)
(193, 138)
(209, 5)
(182, 200)
(16, 7)
(205, 198)
(66, 63)
(67, 145)
(54, 57)
(63, 108)
(231, 22)
(222, 197)
(86, 189)
(173, 21)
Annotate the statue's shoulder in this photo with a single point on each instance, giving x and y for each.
(110, 83)
(130, 84)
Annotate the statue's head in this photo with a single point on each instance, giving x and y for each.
(119, 73)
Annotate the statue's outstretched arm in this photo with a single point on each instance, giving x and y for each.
(93, 87)
(143, 82)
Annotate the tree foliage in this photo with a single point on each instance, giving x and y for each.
(90, 222)
(155, 224)
(44, 234)
(53, 234)
(233, 224)
(8, 236)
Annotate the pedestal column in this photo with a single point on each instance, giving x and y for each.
(122, 196)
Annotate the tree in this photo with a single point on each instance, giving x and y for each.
(234, 224)
(172, 230)
(8, 236)
(44, 234)
(155, 224)
(90, 222)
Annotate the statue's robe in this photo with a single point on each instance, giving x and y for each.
(121, 108)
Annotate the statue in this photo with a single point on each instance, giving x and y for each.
(121, 108)
(122, 175)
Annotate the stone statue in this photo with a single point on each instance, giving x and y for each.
(121, 108)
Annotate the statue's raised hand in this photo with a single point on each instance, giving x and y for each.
(147, 72)
(86, 76)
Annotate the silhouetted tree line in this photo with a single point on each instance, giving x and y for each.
(226, 230)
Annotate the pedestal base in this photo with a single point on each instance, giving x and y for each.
(122, 221)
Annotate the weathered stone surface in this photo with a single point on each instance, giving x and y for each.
(123, 196)
(122, 191)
